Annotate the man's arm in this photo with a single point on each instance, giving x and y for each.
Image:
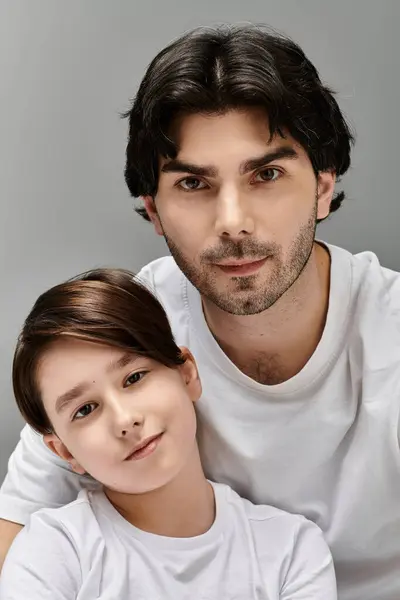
(8, 531)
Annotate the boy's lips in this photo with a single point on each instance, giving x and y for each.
(145, 448)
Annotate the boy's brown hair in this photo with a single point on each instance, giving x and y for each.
(106, 306)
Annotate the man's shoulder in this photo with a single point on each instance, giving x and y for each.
(163, 278)
(374, 319)
(375, 274)
(169, 285)
(372, 284)
(160, 271)
(376, 288)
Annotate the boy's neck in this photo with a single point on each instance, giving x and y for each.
(185, 507)
(273, 346)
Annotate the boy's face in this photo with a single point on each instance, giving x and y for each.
(237, 209)
(105, 403)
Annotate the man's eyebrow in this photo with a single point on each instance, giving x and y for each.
(65, 399)
(251, 164)
(261, 161)
(179, 166)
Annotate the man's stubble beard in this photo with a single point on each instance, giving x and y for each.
(234, 299)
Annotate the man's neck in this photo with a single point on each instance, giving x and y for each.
(185, 507)
(273, 346)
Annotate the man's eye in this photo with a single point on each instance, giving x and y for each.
(190, 184)
(84, 411)
(269, 174)
(134, 378)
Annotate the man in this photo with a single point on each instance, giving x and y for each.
(235, 146)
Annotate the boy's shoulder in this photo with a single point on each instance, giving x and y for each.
(276, 535)
(76, 520)
(58, 546)
(262, 516)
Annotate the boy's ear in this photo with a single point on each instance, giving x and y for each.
(152, 213)
(190, 374)
(54, 444)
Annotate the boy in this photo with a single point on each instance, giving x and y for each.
(98, 374)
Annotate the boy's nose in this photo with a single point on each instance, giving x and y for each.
(126, 418)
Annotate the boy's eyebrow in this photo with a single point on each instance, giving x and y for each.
(179, 166)
(126, 359)
(65, 399)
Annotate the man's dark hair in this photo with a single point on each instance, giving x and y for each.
(213, 70)
(106, 306)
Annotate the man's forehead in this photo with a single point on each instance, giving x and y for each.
(278, 148)
(190, 126)
(209, 138)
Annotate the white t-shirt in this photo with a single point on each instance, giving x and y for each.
(87, 550)
(324, 444)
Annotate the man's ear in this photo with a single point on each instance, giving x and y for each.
(190, 374)
(54, 444)
(150, 206)
(326, 188)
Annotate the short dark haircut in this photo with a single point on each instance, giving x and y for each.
(213, 70)
(106, 306)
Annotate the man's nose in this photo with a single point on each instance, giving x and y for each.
(233, 218)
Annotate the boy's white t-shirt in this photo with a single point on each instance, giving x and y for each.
(87, 550)
(324, 444)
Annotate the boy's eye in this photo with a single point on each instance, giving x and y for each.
(134, 378)
(84, 411)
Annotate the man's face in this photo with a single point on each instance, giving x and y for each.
(238, 210)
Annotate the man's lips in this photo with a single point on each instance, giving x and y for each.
(145, 448)
(241, 267)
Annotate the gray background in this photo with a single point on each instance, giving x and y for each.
(68, 68)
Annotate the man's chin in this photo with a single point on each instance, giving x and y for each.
(238, 302)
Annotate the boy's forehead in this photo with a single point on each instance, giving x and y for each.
(81, 353)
